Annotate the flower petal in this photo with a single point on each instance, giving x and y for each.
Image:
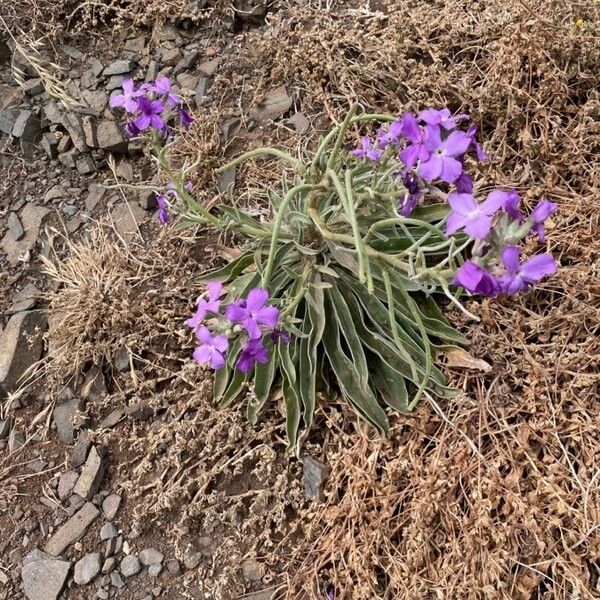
(538, 267)
(256, 299)
(510, 258)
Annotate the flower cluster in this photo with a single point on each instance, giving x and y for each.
(148, 106)
(431, 148)
(252, 319)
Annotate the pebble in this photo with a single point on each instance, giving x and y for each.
(15, 227)
(173, 567)
(315, 473)
(109, 564)
(192, 559)
(150, 556)
(66, 483)
(119, 67)
(111, 505)
(130, 565)
(108, 531)
(116, 580)
(87, 568)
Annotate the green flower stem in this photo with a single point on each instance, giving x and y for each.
(340, 136)
(426, 343)
(277, 227)
(269, 151)
(394, 324)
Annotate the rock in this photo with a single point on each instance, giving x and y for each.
(33, 87)
(15, 440)
(116, 581)
(154, 570)
(192, 559)
(109, 565)
(21, 346)
(102, 594)
(73, 530)
(37, 466)
(300, 122)
(28, 126)
(74, 125)
(119, 67)
(150, 556)
(97, 100)
(315, 474)
(72, 52)
(112, 418)
(140, 411)
(85, 165)
(91, 475)
(110, 137)
(24, 299)
(81, 449)
(15, 227)
(169, 57)
(8, 118)
(44, 577)
(95, 193)
(275, 104)
(252, 570)
(53, 112)
(226, 181)
(126, 218)
(64, 144)
(174, 567)
(130, 566)
(209, 67)
(55, 192)
(147, 202)
(230, 127)
(110, 506)
(49, 144)
(32, 217)
(201, 90)
(93, 388)
(87, 568)
(66, 483)
(63, 418)
(108, 531)
(262, 595)
(5, 425)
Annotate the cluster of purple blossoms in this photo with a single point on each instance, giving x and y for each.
(430, 146)
(499, 270)
(252, 318)
(148, 104)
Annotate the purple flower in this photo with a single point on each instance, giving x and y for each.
(252, 312)
(442, 162)
(131, 129)
(475, 145)
(150, 111)
(476, 219)
(128, 99)
(391, 135)
(520, 276)
(278, 334)
(367, 150)
(508, 202)
(253, 352)
(212, 304)
(464, 184)
(213, 348)
(163, 210)
(477, 280)
(442, 117)
(416, 150)
(185, 117)
(162, 86)
(412, 196)
(539, 214)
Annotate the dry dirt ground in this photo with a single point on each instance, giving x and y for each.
(495, 494)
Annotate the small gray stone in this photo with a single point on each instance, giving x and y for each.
(91, 475)
(187, 62)
(43, 577)
(110, 506)
(7, 120)
(192, 559)
(15, 227)
(154, 570)
(201, 90)
(174, 567)
(24, 299)
(33, 87)
(63, 418)
(27, 126)
(127, 218)
(110, 137)
(116, 580)
(147, 202)
(119, 67)
(226, 180)
(5, 425)
(275, 104)
(87, 568)
(315, 474)
(37, 466)
(109, 565)
(300, 122)
(93, 387)
(112, 418)
(169, 57)
(108, 531)
(140, 411)
(66, 483)
(85, 165)
(49, 144)
(130, 566)
(150, 556)
(15, 440)
(252, 570)
(209, 67)
(102, 594)
(72, 531)
(80, 450)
